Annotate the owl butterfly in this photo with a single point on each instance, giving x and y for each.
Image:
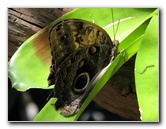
(79, 49)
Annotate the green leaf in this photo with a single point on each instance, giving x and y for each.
(49, 109)
(146, 74)
(29, 67)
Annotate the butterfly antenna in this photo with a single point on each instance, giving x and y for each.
(113, 22)
(115, 42)
(114, 32)
(116, 29)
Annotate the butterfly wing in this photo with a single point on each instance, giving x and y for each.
(80, 49)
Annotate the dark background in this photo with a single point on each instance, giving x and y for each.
(18, 103)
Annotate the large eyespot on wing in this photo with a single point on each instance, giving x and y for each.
(81, 82)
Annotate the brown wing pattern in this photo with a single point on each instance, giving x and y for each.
(79, 50)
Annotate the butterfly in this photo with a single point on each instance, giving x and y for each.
(80, 50)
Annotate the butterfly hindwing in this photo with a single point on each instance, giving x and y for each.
(79, 50)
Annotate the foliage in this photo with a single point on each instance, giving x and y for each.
(29, 66)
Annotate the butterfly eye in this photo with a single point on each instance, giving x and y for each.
(81, 83)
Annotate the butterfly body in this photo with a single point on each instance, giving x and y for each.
(79, 49)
